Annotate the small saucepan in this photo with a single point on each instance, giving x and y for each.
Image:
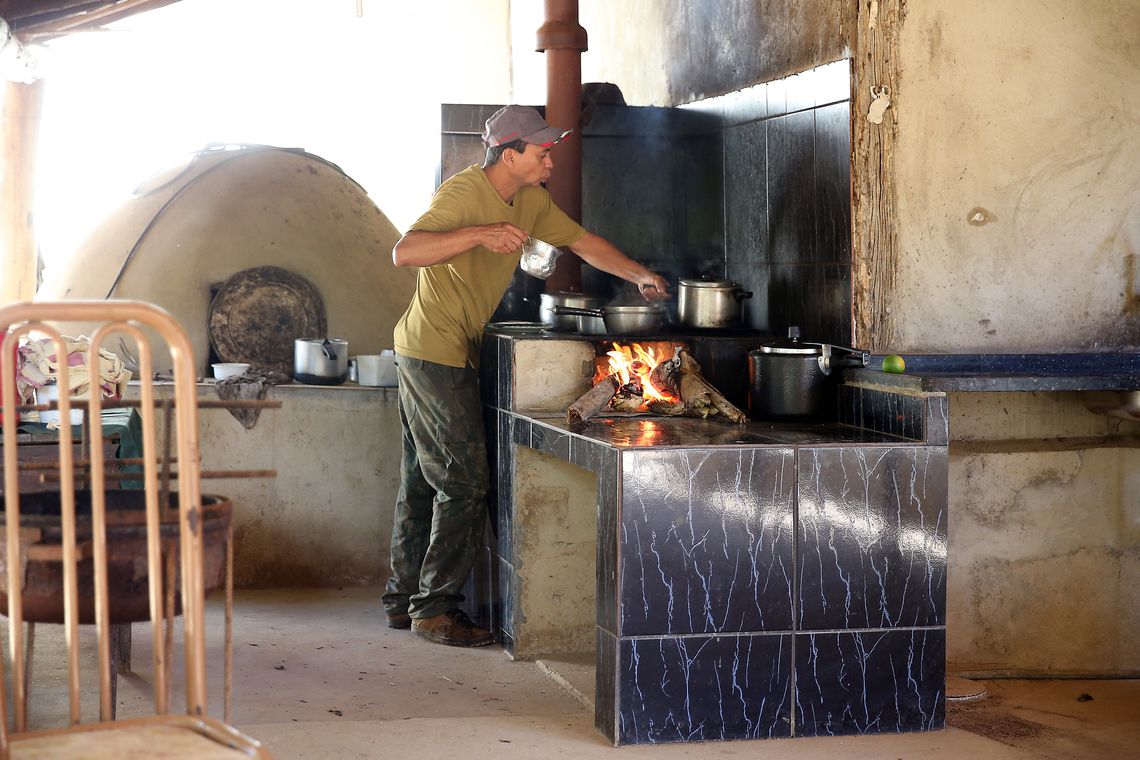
(619, 320)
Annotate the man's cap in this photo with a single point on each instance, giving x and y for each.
(512, 123)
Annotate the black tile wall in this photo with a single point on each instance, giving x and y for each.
(606, 559)
(791, 187)
(799, 262)
(605, 691)
(706, 541)
(918, 417)
(832, 242)
(872, 545)
(504, 469)
(859, 682)
(701, 688)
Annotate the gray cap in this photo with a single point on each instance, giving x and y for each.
(512, 123)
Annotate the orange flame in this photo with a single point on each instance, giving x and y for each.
(636, 361)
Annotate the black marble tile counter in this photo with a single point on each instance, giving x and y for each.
(756, 580)
(1116, 371)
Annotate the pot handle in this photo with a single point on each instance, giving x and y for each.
(576, 312)
(742, 294)
(828, 362)
(327, 348)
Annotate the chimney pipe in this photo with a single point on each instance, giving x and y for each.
(563, 40)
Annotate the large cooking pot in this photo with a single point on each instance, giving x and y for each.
(569, 322)
(705, 304)
(619, 320)
(793, 380)
(320, 361)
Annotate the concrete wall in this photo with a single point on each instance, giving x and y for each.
(326, 518)
(1044, 572)
(555, 534)
(1018, 175)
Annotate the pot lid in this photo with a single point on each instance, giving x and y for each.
(565, 297)
(712, 284)
(258, 314)
(791, 345)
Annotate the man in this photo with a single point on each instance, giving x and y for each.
(467, 245)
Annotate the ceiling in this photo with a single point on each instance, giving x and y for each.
(39, 20)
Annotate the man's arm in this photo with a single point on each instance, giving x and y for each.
(419, 248)
(601, 254)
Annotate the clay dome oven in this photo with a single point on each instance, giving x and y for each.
(187, 230)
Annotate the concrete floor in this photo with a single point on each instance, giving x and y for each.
(318, 675)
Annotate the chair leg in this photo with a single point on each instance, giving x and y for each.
(121, 647)
(29, 644)
(120, 660)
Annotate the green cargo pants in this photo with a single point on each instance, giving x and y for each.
(442, 504)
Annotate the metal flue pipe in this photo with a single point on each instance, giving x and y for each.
(563, 40)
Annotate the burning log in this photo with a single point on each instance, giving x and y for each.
(682, 377)
(594, 400)
(679, 377)
(629, 397)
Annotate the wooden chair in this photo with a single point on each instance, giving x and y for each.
(83, 553)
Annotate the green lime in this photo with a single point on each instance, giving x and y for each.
(894, 363)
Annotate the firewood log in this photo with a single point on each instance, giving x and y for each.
(593, 401)
(629, 397)
(664, 376)
(670, 408)
(697, 393)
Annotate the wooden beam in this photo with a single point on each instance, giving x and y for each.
(875, 248)
(19, 131)
(40, 21)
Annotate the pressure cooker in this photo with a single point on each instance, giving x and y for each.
(796, 380)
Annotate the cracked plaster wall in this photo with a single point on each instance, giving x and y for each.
(1018, 176)
(1044, 563)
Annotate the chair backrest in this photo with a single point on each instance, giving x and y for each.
(24, 534)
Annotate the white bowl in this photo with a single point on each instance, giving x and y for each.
(376, 370)
(232, 369)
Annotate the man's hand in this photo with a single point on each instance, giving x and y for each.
(420, 248)
(653, 287)
(502, 237)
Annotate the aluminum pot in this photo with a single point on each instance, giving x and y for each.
(539, 258)
(706, 304)
(569, 322)
(619, 320)
(794, 380)
(320, 361)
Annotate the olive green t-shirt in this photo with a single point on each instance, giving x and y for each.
(454, 299)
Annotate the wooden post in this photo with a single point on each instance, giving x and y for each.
(19, 130)
(875, 251)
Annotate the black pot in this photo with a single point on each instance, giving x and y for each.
(793, 380)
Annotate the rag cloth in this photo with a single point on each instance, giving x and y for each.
(253, 385)
(38, 365)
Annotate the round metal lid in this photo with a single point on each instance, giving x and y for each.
(798, 349)
(791, 345)
(712, 284)
(260, 312)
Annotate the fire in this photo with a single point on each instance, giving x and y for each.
(633, 364)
